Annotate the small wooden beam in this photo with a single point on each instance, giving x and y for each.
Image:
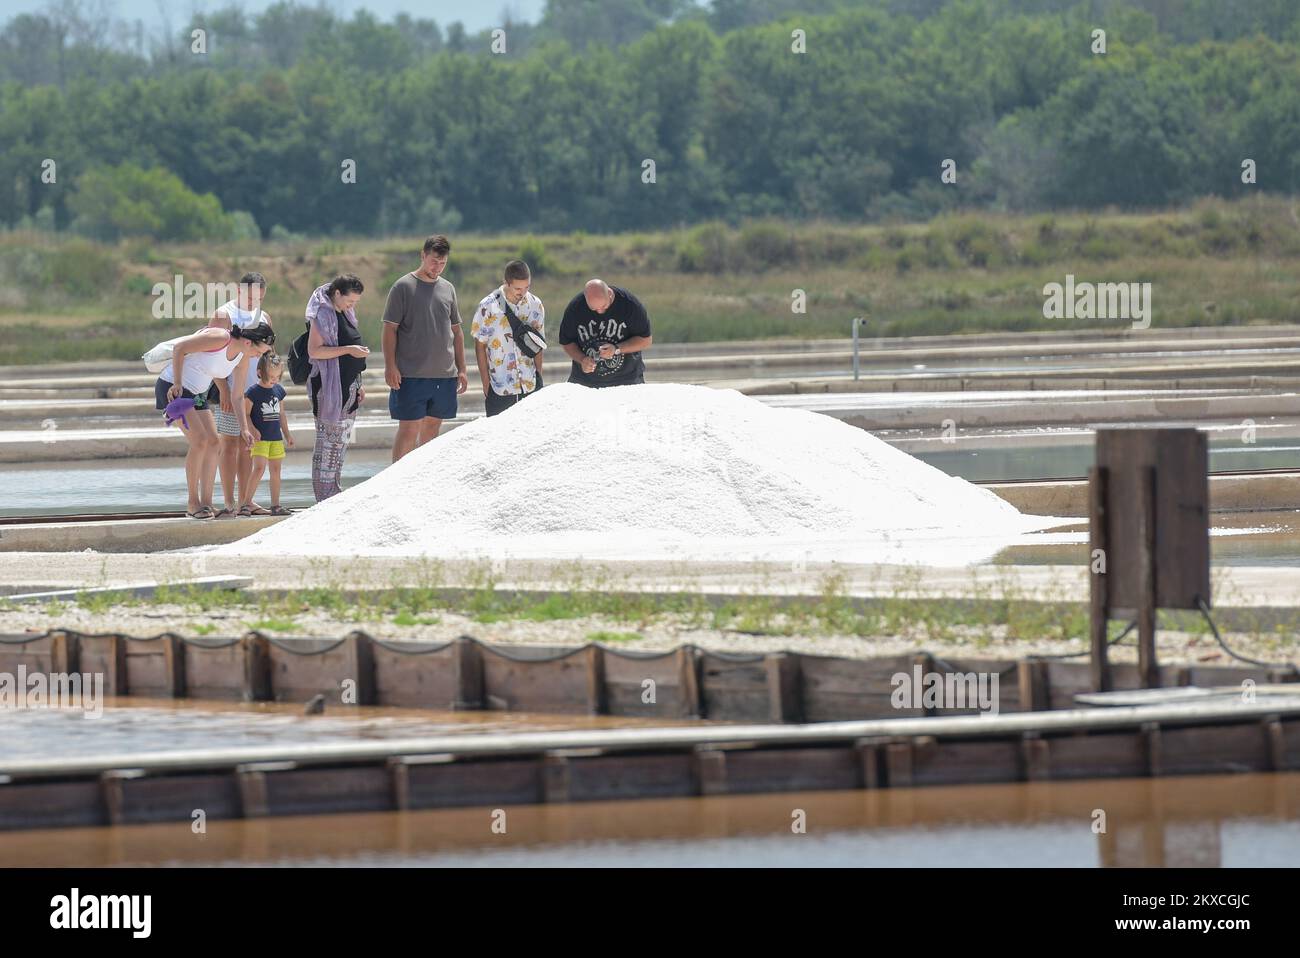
(1275, 742)
(1150, 733)
(898, 763)
(1035, 695)
(555, 779)
(110, 784)
(399, 773)
(597, 701)
(710, 768)
(1098, 477)
(467, 665)
(871, 760)
(688, 672)
(784, 696)
(1148, 668)
(1035, 758)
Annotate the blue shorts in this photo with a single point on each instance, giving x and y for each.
(419, 398)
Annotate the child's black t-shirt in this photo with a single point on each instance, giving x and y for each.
(265, 414)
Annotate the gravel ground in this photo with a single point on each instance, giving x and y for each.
(664, 631)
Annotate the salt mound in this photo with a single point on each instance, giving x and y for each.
(655, 471)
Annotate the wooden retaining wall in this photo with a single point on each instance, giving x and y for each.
(530, 768)
(357, 669)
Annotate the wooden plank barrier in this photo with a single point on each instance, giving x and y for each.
(776, 687)
(417, 674)
(528, 680)
(51, 652)
(619, 764)
(229, 669)
(652, 685)
(340, 669)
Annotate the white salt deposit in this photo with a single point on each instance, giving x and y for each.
(656, 471)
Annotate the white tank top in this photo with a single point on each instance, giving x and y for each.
(243, 318)
(200, 369)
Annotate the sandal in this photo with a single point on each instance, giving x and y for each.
(254, 510)
(280, 511)
(203, 512)
(245, 512)
(225, 513)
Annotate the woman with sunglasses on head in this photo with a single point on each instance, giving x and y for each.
(211, 353)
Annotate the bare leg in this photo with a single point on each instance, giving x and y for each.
(408, 435)
(227, 467)
(275, 483)
(208, 478)
(429, 429)
(245, 469)
(202, 438)
(255, 476)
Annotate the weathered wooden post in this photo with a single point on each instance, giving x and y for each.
(1149, 533)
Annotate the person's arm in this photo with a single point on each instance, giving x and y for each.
(481, 360)
(204, 339)
(247, 408)
(458, 339)
(458, 345)
(392, 375)
(316, 348)
(394, 313)
(223, 394)
(641, 337)
(569, 342)
(636, 344)
(284, 424)
(244, 409)
(541, 331)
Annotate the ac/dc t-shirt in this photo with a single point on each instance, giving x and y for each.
(625, 318)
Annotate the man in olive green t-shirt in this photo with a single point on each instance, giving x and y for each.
(424, 350)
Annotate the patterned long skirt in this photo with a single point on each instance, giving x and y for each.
(327, 459)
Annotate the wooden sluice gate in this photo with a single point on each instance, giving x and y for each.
(803, 723)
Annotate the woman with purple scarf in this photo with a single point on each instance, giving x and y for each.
(337, 359)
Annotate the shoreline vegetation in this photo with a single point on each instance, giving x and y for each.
(1215, 263)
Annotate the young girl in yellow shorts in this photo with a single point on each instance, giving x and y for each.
(270, 431)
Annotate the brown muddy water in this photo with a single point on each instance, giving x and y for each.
(1230, 821)
(140, 725)
(1234, 821)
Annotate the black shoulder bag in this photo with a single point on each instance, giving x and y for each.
(529, 340)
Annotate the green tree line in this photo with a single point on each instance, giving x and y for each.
(255, 137)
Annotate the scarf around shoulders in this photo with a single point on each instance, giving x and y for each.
(322, 314)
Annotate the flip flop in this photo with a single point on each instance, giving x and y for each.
(280, 511)
(225, 513)
(255, 510)
(203, 512)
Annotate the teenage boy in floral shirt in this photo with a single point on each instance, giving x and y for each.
(508, 375)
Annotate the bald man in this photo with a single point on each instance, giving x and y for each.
(604, 331)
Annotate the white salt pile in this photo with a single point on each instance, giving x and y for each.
(656, 471)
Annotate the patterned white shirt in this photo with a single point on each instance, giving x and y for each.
(510, 372)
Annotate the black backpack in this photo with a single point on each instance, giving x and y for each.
(298, 361)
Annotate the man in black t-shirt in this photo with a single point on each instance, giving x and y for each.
(604, 331)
